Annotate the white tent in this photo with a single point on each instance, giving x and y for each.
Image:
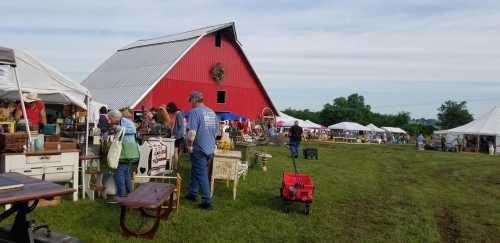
(348, 126)
(394, 130)
(285, 120)
(36, 76)
(374, 128)
(313, 125)
(487, 124)
(21, 72)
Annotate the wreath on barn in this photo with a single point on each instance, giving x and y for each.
(218, 72)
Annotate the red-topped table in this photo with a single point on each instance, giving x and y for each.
(33, 190)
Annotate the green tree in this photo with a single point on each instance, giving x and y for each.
(352, 108)
(305, 114)
(453, 114)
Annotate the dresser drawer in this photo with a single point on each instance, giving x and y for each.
(58, 173)
(32, 172)
(43, 159)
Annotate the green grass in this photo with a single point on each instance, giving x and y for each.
(364, 193)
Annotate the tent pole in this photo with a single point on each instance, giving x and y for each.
(477, 146)
(23, 107)
(87, 98)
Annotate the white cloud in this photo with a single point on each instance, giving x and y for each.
(337, 47)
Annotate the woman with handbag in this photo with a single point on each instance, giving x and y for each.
(129, 155)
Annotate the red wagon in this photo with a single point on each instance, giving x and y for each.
(297, 187)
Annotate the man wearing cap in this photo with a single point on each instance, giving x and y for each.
(35, 110)
(202, 130)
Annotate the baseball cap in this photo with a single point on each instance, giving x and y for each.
(196, 95)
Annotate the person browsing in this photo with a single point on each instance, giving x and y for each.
(202, 130)
(35, 111)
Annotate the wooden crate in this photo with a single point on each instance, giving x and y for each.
(52, 138)
(13, 142)
(68, 145)
(51, 145)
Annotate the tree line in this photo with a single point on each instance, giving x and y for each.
(354, 109)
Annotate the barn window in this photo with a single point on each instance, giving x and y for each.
(221, 97)
(218, 39)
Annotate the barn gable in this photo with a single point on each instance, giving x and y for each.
(127, 77)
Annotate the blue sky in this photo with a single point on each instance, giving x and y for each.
(401, 55)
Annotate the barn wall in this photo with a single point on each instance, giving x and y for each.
(192, 72)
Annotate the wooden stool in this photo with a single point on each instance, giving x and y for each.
(150, 195)
(261, 160)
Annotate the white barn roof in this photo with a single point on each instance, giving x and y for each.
(133, 71)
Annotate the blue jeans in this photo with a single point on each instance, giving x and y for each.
(294, 148)
(123, 180)
(199, 176)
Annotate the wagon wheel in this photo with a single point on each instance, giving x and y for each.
(136, 223)
(287, 207)
(307, 208)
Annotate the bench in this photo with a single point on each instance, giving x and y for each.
(148, 196)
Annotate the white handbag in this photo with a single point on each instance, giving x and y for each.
(115, 150)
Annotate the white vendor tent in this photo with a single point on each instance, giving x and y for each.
(313, 125)
(394, 130)
(348, 126)
(38, 77)
(21, 72)
(374, 128)
(284, 120)
(487, 124)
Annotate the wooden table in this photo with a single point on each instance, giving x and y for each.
(33, 190)
(150, 195)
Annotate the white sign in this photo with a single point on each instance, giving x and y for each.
(4, 73)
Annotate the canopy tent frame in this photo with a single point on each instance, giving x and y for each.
(8, 57)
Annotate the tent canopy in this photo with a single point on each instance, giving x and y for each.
(313, 125)
(374, 128)
(487, 124)
(349, 126)
(395, 130)
(38, 77)
(7, 56)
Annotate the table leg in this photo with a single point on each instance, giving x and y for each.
(84, 173)
(21, 231)
(76, 172)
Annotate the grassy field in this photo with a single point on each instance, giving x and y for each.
(364, 193)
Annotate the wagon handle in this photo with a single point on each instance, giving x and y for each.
(294, 166)
(297, 181)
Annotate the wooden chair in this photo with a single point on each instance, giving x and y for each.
(228, 166)
(163, 179)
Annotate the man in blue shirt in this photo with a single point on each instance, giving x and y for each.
(202, 130)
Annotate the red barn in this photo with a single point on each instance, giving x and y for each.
(151, 72)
